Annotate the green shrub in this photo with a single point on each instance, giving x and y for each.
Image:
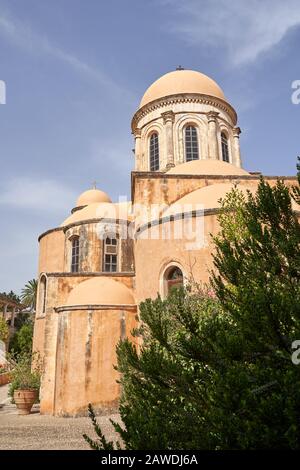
(4, 331)
(24, 377)
(21, 342)
(216, 373)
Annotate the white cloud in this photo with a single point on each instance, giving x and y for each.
(23, 36)
(245, 28)
(40, 195)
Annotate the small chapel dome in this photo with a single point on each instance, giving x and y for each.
(91, 196)
(103, 210)
(180, 82)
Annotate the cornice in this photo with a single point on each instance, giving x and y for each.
(182, 98)
(91, 274)
(70, 308)
(252, 176)
(84, 222)
(180, 216)
(174, 217)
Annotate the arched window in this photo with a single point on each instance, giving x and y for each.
(191, 143)
(75, 255)
(42, 294)
(110, 255)
(154, 152)
(173, 279)
(225, 149)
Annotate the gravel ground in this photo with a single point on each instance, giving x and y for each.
(40, 432)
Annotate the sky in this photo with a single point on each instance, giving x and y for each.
(75, 71)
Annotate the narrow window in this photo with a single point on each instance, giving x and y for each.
(154, 152)
(75, 255)
(225, 150)
(110, 255)
(191, 144)
(42, 294)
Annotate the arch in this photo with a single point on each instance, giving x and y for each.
(42, 297)
(146, 133)
(191, 146)
(153, 143)
(225, 147)
(75, 252)
(171, 276)
(179, 141)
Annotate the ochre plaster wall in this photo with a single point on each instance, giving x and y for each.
(84, 360)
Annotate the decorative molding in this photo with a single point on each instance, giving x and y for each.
(182, 98)
(236, 131)
(85, 222)
(255, 176)
(92, 274)
(78, 208)
(212, 116)
(168, 116)
(172, 218)
(71, 308)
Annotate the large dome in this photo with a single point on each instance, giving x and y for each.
(179, 82)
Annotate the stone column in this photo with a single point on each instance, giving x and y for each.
(236, 146)
(137, 152)
(168, 118)
(213, 147)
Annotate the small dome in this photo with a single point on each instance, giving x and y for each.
(179, 82)
(103, 210)
(100, 291)
(207, 167)
(91, 196)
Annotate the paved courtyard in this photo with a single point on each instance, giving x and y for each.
(38, 432)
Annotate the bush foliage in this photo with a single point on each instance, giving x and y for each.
(216, 372)
(24, 376)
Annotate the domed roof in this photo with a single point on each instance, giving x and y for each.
(102, 210)
(100, 291)
(207, 167)
(209, 197)
(91, 196)
(182, 81)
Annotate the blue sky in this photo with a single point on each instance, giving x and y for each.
(75, 71)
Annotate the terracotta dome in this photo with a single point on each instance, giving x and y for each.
(91, 196)
(207, 197)
(100, 291)
(207, 167)
(103, 210)
(182, 81)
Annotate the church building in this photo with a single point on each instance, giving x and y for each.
(107, 257)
